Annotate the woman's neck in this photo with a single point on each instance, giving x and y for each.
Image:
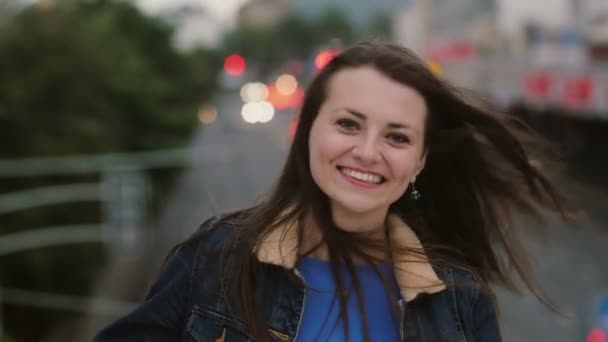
(313, 245)
(372, 223)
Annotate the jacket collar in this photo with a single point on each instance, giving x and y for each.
(413, 272)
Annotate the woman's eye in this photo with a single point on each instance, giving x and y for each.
(398, 139)
(347, 124)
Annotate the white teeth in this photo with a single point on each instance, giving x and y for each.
(365, 177)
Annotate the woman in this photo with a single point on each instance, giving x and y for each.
(390, 221)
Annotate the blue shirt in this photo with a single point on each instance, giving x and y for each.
(321, 316)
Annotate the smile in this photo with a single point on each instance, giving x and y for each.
(361, 176)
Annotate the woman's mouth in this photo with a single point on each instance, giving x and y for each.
(361, 178)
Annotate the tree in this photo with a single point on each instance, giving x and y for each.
(381, 27)
(104, 72)
(85, 77)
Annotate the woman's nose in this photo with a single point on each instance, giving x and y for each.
(367, 151)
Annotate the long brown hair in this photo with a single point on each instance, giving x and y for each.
(482, 168)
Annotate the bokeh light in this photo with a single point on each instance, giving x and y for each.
(596, 335)
(266, 111)
(258, 111)
(207, 114)
(286, 84)
(434, 67)
(324, 57)
(235, 65)
(252, 92)
(281, 101)
(249, 112)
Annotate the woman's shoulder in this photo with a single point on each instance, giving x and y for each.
(462, 283)
(216, 233)
(207, 243)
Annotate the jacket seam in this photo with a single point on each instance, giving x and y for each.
(455, 307)
(223, 280)
(193, 278)
(195, 267)
(230, 250)
(473, 309)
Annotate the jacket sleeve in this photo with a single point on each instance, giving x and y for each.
(160, 317)
(485, 322)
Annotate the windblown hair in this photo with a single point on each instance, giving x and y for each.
(483, 168)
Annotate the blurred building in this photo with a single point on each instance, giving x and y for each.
(594, 19)
(424, 24)
(513, 27)
(542, 52)
(457, 18)
(572, 32)
(591, 11)
(262, 12)
(358, 12)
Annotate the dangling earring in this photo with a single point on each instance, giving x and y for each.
(415, 193)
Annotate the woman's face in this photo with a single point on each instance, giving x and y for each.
(367, 142)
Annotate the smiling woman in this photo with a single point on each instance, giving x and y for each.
(390, 221)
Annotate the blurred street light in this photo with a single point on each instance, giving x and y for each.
(235, 65)
(600, 331)
(286, 84)
(281, 101)
(254, 92)
(434, 67)
(597, 335)
(258, 111)
(266, 112)
(207, 114)
(324, 57)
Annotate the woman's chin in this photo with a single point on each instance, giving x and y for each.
(351, 210)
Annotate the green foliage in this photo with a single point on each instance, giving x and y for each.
(380, 27)
(98, 73)
(86, 77)
(4, 338)
(333, 25)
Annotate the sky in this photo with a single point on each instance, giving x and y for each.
(218, 16)
(224, 9)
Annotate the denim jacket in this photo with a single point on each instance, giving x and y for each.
(185, 304)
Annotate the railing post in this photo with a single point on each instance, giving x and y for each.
(124, 194)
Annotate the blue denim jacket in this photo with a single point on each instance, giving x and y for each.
(185, 302)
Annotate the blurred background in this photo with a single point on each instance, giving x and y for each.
(124, 124)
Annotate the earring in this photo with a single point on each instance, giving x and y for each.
(415, 193)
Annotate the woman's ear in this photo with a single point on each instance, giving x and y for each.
(420, 166)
